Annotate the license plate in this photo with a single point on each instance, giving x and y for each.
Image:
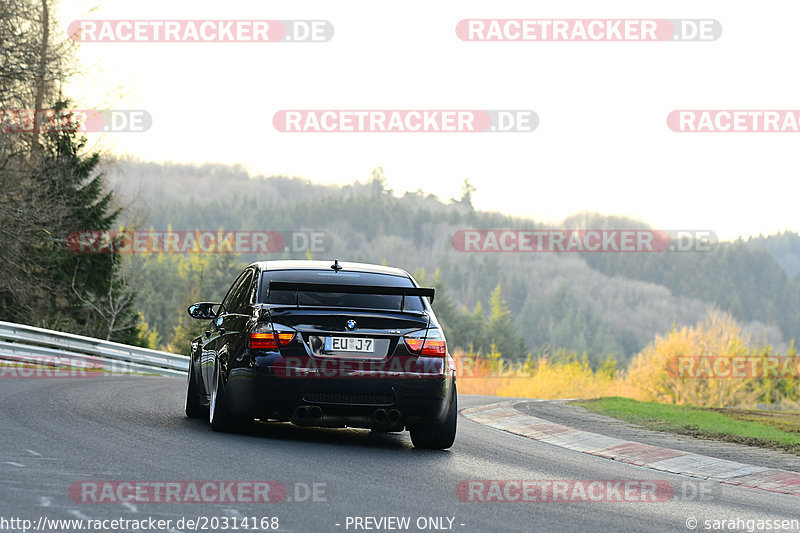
(349, 344)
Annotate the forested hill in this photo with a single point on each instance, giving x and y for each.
(784, 247)
(601, 304)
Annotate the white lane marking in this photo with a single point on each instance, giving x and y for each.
(78, 514)
(129, 506)
(12, 463)
(45, 501)
(37, 454)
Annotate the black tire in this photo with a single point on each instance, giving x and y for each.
(192, 405)
(219, 415)
(438, 436)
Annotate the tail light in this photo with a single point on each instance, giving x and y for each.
(268, 337)
(427, 342)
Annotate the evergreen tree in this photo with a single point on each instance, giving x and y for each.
(502, 332)
(83, 293)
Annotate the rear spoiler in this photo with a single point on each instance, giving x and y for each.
(350, 289)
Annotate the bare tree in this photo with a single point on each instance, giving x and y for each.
(51, 187)
(112, 309)
(41, 88)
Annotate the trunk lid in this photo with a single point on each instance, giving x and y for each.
(349, 333)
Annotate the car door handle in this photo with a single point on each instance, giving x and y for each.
(221, 330)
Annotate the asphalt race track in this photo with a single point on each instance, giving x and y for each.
(57, 432)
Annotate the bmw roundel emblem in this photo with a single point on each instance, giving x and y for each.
(351, 324)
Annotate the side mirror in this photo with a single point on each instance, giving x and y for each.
(203, 310)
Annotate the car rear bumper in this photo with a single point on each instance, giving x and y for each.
(269, 392)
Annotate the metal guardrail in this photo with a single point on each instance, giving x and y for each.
(36, 346)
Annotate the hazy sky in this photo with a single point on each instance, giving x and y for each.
(602, 143)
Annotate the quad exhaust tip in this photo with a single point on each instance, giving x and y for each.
(390, 417)
(308, 412)
(314, 413)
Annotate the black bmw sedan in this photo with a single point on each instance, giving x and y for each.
(321, 344)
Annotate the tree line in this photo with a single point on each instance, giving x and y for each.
(600, 305)
(51, 187)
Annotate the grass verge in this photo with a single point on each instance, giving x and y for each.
(767, 429)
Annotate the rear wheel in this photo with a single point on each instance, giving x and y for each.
(438, 436)
(192, 405)
(219, 415)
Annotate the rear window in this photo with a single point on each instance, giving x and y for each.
(338, 299)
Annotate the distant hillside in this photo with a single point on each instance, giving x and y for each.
(784, 247)
(603, 304)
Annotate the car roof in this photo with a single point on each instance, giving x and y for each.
(326, 265)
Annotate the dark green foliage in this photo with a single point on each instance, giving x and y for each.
(59, 193)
